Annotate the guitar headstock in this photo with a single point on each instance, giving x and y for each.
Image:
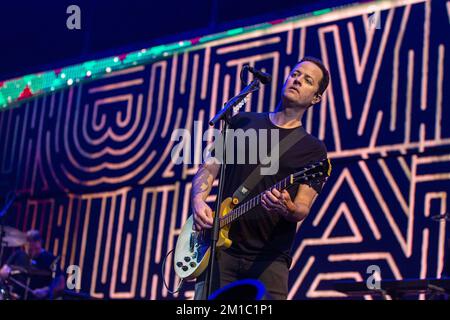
(315, 172)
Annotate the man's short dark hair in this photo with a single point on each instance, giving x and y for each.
(33, 236)
(323, 83)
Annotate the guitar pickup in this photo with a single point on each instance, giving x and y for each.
(192, 241)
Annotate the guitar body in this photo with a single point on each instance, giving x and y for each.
(192, 250)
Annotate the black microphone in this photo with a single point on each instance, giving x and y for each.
(265, 78)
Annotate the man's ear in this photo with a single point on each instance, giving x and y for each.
(317, 98)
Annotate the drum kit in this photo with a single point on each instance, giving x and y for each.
(10, 238)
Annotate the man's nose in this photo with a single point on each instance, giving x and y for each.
(297, 81)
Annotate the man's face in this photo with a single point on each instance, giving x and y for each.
(33, 248)
(302, 84)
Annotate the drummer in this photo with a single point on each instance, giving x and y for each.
(36, 268)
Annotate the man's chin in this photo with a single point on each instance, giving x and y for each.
(291, 99)
(294, 104)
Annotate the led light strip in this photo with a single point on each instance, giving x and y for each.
(15, 91)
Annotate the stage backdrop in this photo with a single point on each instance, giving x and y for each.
(93, 162)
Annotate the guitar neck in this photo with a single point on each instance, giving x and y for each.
(253, 202)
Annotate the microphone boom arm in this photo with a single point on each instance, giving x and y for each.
(222, 114)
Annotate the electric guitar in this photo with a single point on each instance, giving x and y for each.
(192, 250)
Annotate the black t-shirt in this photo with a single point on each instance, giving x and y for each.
(257, 234)
(42, 262)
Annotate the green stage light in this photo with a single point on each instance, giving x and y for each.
(32, 85)
(320, 12)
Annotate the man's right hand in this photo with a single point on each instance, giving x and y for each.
(203, 215)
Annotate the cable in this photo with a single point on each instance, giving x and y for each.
(241, 75)
(180, 284)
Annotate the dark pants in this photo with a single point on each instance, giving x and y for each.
(229, 268)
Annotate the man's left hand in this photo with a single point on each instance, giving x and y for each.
(278, 202)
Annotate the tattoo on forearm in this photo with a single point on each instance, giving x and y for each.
(202, 183)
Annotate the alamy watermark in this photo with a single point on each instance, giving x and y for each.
(73, 280)
(74, 20)
(375, 18)
(373, 282)
(243, 147)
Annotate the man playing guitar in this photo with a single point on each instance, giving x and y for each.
(262, 239)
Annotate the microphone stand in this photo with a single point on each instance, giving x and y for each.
(53, 269)
(2, 216)
(224, 115)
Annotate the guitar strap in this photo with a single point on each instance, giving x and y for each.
(255, 177)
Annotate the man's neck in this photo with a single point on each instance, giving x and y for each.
(287, 117)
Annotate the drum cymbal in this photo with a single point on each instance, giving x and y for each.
(13, 237)
(30, 271)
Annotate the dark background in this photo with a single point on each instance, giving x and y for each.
(35, 37)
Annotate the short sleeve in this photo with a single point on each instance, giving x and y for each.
(318, 153)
